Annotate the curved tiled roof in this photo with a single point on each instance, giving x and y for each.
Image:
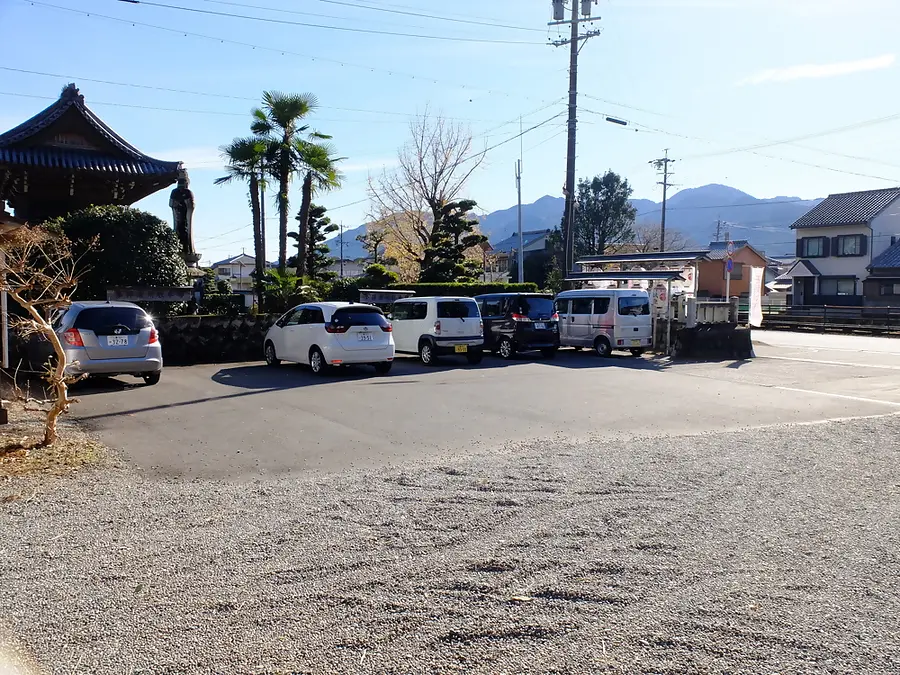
(889, 258)
(137, 163)
(849, 208)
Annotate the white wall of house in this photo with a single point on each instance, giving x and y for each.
(237, 272)
(834, 266)
(885, 226)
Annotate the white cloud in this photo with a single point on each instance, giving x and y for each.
(820, 70)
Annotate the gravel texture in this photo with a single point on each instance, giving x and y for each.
(771, 551)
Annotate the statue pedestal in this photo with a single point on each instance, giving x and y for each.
(191, 259)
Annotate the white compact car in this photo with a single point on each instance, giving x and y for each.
(327, 334)
(433, 327)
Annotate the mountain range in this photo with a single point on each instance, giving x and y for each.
(693, 212)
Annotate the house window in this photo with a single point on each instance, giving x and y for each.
(813, 247)
(889, 289)
(837, 286)
(849, 245)
(224, 271)
(737, 274)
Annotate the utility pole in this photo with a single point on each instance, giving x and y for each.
(342, 250)
(718, 229)
(574, 48)
(520, 258)
(663, 165)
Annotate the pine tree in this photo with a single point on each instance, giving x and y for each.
(452, 235)
(319, 226)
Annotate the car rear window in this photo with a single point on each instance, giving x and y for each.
(535, 307)
(359, 316)
(102, 320)
(634, 306)
(457, 309)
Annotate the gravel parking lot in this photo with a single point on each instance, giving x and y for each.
(766, 552)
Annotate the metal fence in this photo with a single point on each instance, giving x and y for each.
(825, 318)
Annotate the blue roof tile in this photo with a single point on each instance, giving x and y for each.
(849, 208)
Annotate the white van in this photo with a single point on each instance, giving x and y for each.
(604, 320)
(435, 327)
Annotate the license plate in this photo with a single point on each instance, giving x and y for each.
(540, 326)
(366, 337)
(117, 341)
(461, 349)
(635, 343)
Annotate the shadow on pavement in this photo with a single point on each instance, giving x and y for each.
(291, 376)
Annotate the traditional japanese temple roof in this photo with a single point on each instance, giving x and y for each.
(65, 158)
(14, 146)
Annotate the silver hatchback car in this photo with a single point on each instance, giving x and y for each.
(110, 338)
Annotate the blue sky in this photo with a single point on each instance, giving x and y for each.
(740, 91)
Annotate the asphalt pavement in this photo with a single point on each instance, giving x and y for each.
(246, 420)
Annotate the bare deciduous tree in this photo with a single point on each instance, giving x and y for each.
(646, 239)
(433, 168)
(38, 271)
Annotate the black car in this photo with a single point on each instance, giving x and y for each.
(519, 322)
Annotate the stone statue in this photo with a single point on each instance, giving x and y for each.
(181, 201)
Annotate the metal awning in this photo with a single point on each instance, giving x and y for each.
(669, 275)
(638, 258)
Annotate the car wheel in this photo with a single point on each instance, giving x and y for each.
(549, 353)
(272, 359)
(507, 348)
(384, 367)
(602, 347)
(426, 354)
(152, 378)
(317, 362)
(637, 352)
(475, 357)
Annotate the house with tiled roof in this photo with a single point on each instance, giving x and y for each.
(842, 246)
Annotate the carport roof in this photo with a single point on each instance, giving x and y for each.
(654, 257)
(625, 276)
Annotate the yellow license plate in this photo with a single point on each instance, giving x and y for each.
(635, 343)
(461, 349)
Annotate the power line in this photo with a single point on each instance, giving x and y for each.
(725, 206)
(276, 50)
(490, 24)
(197, 112)
(77, 78)
(346, 29)
(481, 153)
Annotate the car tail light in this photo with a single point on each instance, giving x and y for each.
(336, 328)
(388, 328)
(73, 338)
(437, 327)
(620, 342)
(520, 317)
(481, 327)
(555, 316)
(154, 336)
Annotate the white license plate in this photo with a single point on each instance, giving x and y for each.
(540, 326)
(635, 343)
(117, 341)
(366, 337)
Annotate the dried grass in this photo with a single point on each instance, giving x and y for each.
(22, 455)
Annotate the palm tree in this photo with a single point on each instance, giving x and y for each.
(246, 159)
(320, 173)
(278, 123)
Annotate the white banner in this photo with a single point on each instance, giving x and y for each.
(756, 283)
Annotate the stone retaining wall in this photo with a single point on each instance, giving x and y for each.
(187, 340)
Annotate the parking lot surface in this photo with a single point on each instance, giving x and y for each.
(574, 516)
(246, 419)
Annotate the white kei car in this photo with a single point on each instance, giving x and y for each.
(327, 334)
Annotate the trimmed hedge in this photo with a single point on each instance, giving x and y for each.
(469, 290)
